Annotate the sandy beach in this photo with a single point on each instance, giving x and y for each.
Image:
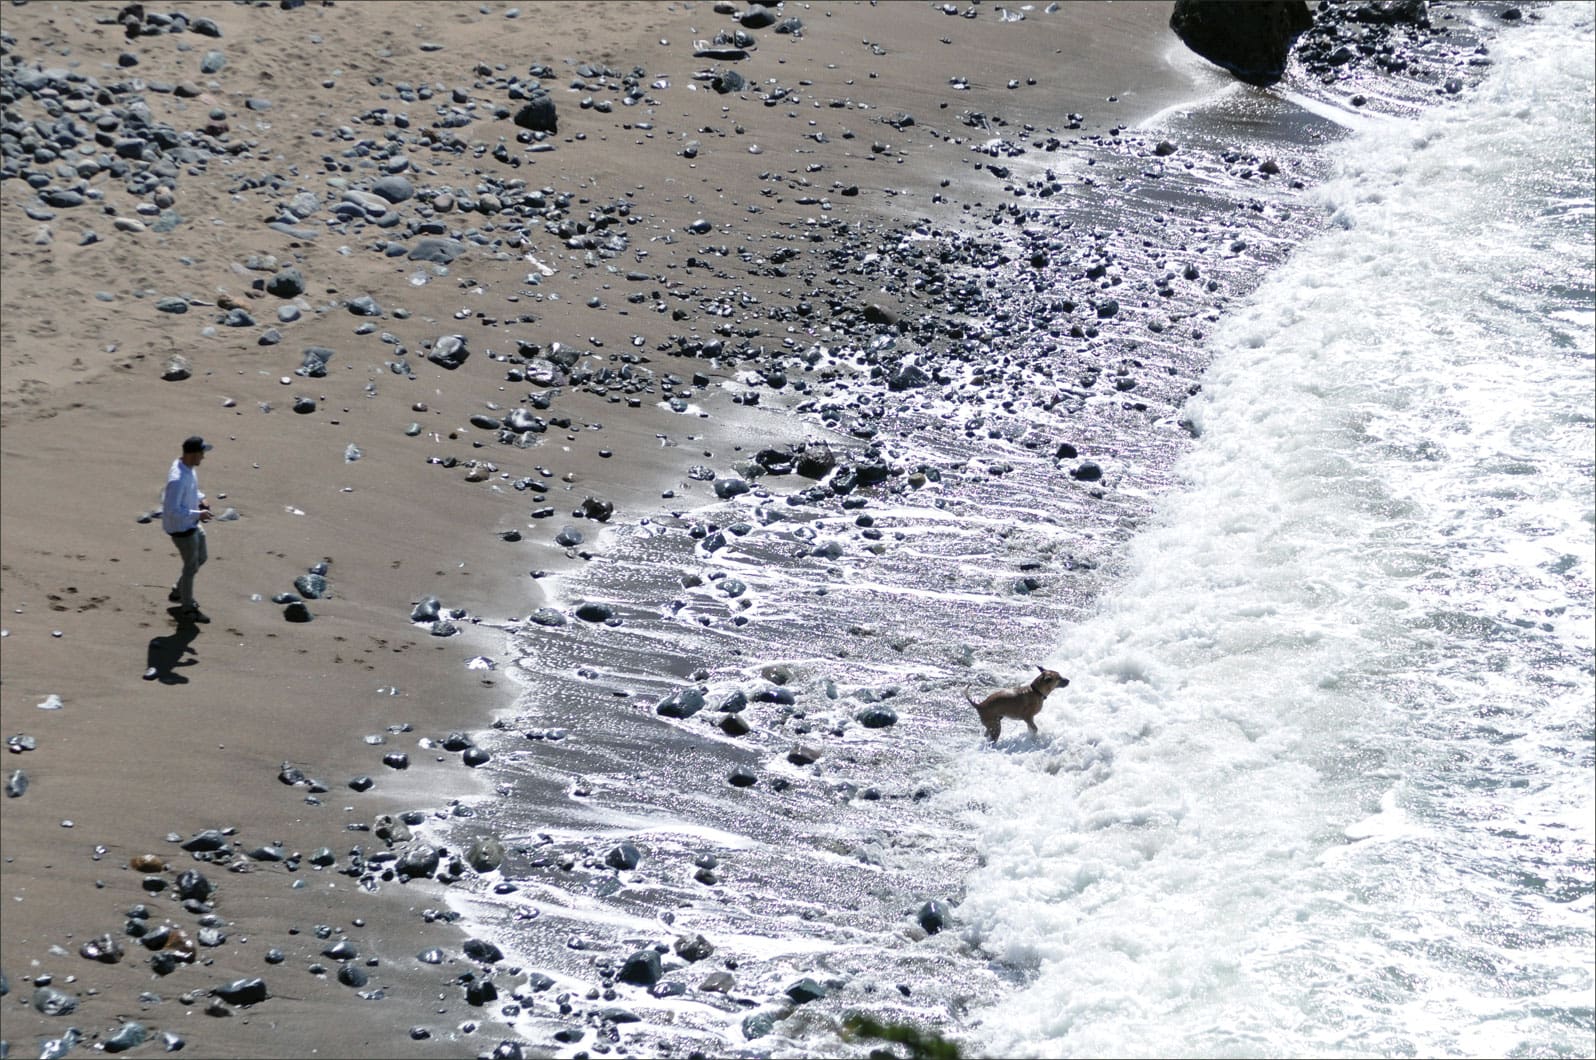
(588, 268)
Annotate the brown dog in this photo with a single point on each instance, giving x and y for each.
(1022, 702)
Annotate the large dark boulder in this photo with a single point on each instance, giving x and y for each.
(1252, 40)
(538, 114)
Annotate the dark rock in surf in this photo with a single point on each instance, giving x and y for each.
(1252, 40)
(934, 916)
(682, 703)
(623, 856)
(876, 716)
(641, 968)
(484, 951)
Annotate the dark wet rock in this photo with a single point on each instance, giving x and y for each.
(804, 755)
(934, 916)
(191, 883)
(352, 975)
(521, 421)
(726, 488)
(623, 856)
(102, 948)
(396, 760)
(475, 756)
(484, 853)
(443, 628)
(600, 510)
(508, 1050)
(177, 369)
(212, 838)
(592, 611)
(1108, 307)
(1087, 471)
(682, 703)
(547, 616)
(128, 1036)
(538, 114)
(342, 950)
(718, 983)
(361, 783)
(432, 956)
(304, 406)
(297, 612)
(693, 949)
(314, 364)
(365, 306)
(287, 282)
(877, 716)
(311, 586)
(484, 951)
(741, 776)
(728, 81)
(641, 968)
(805, 990)
(426, 609)
(418, 859)
(172, 304)
(732, 725)
(480, 992)
(449, 352)
(569, 537)
(457, 741)
(249, 991)
(16, 784)
(908, 377)
(1251, 40)
(815, 460)
(758, 1024)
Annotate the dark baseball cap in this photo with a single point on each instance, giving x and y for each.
(196, 444)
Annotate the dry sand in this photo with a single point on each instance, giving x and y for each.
(90, 428)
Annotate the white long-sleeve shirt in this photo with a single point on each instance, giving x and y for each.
(180, 508)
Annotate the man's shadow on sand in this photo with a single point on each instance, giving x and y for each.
(166, 653)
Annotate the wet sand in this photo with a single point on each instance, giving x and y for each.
(90, 427)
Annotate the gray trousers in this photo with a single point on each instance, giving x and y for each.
(192, 549)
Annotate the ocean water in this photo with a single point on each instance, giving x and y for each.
(1323, 782)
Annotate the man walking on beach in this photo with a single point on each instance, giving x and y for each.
(183, 510)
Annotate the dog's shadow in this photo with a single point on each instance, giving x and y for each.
(166, 653)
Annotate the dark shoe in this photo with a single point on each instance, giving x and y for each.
(173, 597)
(192, 614)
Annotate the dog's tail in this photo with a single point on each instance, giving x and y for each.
(968, 698)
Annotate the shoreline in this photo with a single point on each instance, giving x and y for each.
(128, 762)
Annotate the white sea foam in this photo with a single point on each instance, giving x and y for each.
(1322, 783)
